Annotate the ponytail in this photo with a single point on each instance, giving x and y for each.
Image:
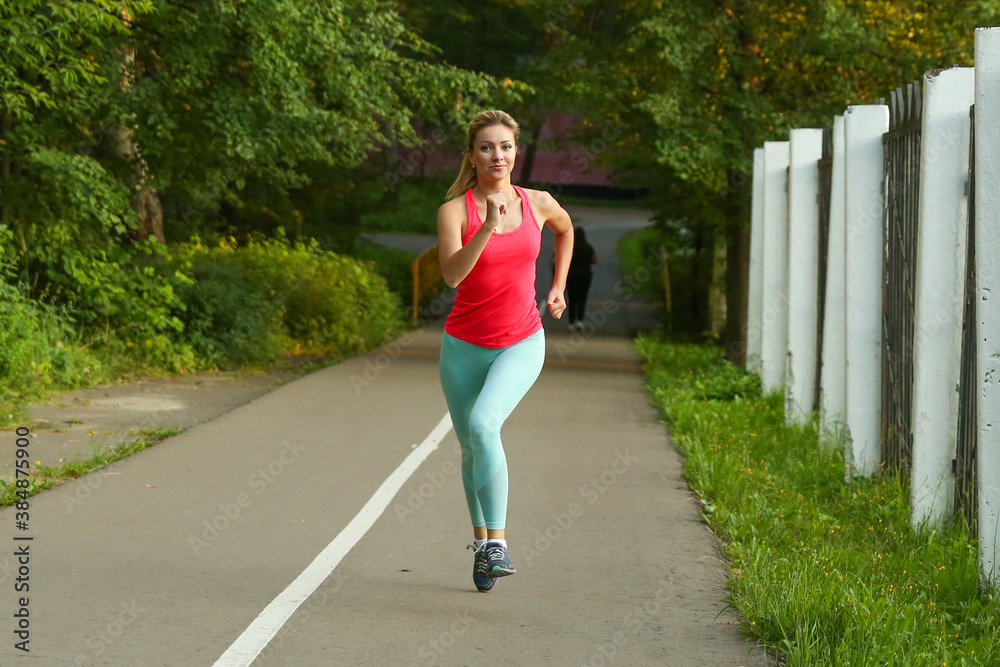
(466, 178)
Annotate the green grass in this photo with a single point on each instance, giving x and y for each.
(44, 477)
(824, 572)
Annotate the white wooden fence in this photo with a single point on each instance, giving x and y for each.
(822, 337)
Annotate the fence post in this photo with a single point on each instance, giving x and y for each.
(755, 293)
(774, 323)
(863, 197)
(806, 149)
(987, 223)
(833, 394)
(940, 285)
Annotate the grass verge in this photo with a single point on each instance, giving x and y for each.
(824, 572)
(43, 477)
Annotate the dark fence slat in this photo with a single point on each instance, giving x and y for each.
(966, 488)
(900, 217)
(825, 165)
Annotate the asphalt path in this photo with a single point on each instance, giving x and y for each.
(324, 523)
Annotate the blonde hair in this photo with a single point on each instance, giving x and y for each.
(467, 174)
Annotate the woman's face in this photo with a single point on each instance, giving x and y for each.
(493, 152)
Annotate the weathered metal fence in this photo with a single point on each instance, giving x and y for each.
(966, 492)
(902, 197)
(825, 186)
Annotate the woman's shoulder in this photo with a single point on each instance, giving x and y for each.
(539, 196)
(452, 207)
(541, 200)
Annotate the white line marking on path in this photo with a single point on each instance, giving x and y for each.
(248, 645)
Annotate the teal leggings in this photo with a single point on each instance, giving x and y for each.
(482, 386)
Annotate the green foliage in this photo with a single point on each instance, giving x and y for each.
(413, 212)
(227, 112)
(635, 249)
(297, 298)
(825, 573)
(685, 254)
(72, 254)
(229, 315)
(240, 106)
(394, 265)
(40, 351)
(67, 210)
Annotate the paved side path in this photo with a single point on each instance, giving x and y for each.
(167, 557)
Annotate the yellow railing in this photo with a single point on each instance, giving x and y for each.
(427, 279)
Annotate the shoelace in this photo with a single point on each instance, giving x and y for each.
(496, 553)
(481, 558)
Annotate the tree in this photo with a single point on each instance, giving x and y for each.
(700, 84)
(260, 91)
(65, 206)
(108, 106)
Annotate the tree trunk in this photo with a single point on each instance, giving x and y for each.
(737, 280)
(146, 204)
(529, 155)
(391, 165)
(702, 277)
(717, 305)
(145, 201)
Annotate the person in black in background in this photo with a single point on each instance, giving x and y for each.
(578, 280)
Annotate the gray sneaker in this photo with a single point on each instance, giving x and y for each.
(498, 561)
(480, 570)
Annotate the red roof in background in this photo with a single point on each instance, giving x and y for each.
(568, 163)
(565, 164)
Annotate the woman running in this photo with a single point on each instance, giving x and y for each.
(489, 232)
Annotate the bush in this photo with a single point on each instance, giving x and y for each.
(40, 352)
(229, 314)
(415, 210)
(76, 248)
(295, 297)
(391, 263)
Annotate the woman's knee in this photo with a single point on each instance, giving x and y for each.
(484, 426)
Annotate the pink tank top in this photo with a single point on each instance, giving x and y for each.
(495, 305)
